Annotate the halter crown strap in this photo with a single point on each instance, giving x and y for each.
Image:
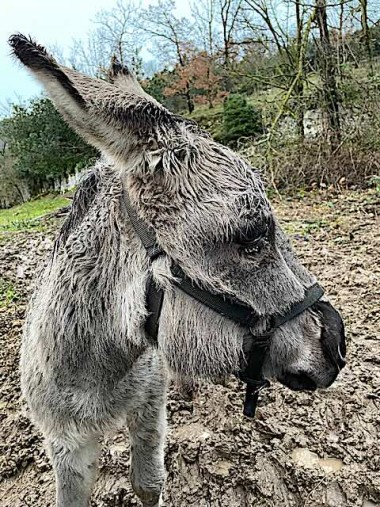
(154, 294)
(146, 233)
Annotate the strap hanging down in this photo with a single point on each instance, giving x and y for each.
(254, 386)
(154, 302)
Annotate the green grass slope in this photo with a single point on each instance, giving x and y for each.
(26, 216)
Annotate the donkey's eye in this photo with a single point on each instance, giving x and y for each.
(250, 237)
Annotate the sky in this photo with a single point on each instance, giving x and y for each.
(50, 22)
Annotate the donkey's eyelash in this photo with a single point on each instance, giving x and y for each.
(249, 235)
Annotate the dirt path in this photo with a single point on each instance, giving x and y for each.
(302, 450)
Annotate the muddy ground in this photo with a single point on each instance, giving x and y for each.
(302, 450)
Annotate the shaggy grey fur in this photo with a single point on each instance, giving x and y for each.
(87, 365)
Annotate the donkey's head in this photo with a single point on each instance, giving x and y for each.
(211, 217)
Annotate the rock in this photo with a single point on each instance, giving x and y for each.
(304, 457)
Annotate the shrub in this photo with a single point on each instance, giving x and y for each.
(42, 145)
(240, 120)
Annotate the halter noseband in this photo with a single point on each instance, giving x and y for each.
(232, 309)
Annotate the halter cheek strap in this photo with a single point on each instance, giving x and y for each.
(232, 309)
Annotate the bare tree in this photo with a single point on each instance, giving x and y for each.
(340, 45)
(271, 26)
(170, 37)
(327, 64)
(115, 34)
(283, 37)
(365, 31)
(229, 11)
(205, 25)
(207, 35)
(299, 88)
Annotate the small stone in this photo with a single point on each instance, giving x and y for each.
(20, 272)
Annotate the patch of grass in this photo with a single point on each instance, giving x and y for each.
(26, 216)
(306, 227)
(8, 293)
(375, 183)
(203, 110)
(314, 225)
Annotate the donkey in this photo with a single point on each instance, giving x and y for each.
(87, 361)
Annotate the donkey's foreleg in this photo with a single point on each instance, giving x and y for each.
(75, 465)
(147, 435)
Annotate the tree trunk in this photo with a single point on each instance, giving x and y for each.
(299, 89)
(181, 61)
(327, 65)
(340, 48)
(365, 31)
(189, 100)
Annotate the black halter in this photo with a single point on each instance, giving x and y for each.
(233, 309)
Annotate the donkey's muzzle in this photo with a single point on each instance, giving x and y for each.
(333, 336)
(334, 350)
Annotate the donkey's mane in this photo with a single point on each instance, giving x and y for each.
(82, 200)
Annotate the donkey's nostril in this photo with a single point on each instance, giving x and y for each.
(332, 335)
(342, 346)
(340, 358)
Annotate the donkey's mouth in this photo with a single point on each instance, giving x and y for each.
(298, 382)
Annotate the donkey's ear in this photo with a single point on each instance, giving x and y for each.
(61, 88)
(122, 77)
(36, 58)
(112, 117)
